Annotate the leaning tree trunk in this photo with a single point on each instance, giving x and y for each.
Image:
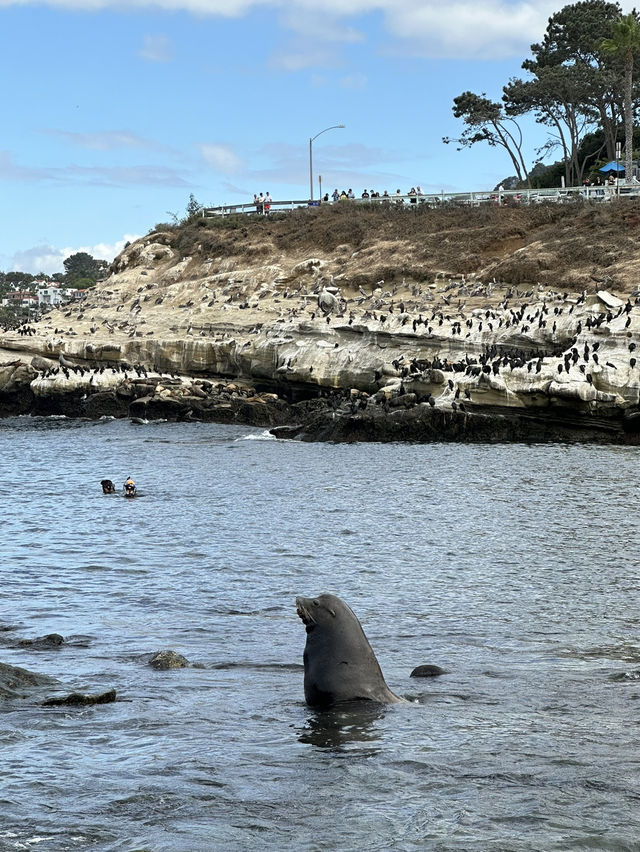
(628, 115)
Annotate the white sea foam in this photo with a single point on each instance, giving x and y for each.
(262, 436)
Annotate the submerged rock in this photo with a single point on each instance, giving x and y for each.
(16, 682)
(621, 677)
(41, 643)
(164, 660)
(80, 699)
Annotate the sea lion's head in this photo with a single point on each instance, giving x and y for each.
(313, 611)
(339, 663)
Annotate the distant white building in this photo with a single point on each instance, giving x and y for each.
(51, 296)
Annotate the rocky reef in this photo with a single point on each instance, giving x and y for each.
(270, 334)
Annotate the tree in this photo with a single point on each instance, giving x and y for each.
(556, 95)
(573, 40)
(487, 122)
(625, 41)
(18, 279)
(193, 206)
(81, 265)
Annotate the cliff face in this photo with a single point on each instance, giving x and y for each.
(427, 318)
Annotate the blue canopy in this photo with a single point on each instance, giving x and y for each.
(612, 167)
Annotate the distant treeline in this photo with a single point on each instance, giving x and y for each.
(81, 270)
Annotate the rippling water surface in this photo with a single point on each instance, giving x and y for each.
(515, 568)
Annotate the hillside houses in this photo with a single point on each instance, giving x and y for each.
(44, 297)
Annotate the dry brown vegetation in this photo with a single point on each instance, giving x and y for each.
(573, 244)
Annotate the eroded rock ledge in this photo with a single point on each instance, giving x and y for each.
(300, 345)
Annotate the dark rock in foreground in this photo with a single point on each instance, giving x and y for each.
(423, 424)
(41, 643)
(80, 699)
(16, 682)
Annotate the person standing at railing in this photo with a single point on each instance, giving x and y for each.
(399, 198)
(267, 203)
(260, 205)
(350, 194)
(413, 195)
(335, 194)
(365, 194)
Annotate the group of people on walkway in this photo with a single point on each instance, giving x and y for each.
(414, 193)
(597, 181)
(262, 202)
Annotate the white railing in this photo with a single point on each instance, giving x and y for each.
(468, 199)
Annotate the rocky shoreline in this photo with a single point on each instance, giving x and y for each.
(298, 345)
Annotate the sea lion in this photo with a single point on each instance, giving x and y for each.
(107, 486)
(339, 663)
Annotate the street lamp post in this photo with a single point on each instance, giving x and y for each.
(333, 127)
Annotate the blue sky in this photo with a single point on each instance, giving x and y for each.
(115, 113)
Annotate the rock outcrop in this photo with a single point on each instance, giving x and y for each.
(303, 339)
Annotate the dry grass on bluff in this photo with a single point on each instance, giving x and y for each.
(571, 246)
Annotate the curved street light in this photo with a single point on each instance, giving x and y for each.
(333, 127)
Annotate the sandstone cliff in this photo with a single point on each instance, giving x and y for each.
(408, 322)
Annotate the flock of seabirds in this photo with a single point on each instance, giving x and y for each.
(524, 330)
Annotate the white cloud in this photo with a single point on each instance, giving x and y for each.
(492, 30)
(156, 48)
(107, 251)
(316, 24)
(221, 158)
(464, 29)
(38, 259)
(48, 259)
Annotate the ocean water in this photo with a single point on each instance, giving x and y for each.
(515, 568)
